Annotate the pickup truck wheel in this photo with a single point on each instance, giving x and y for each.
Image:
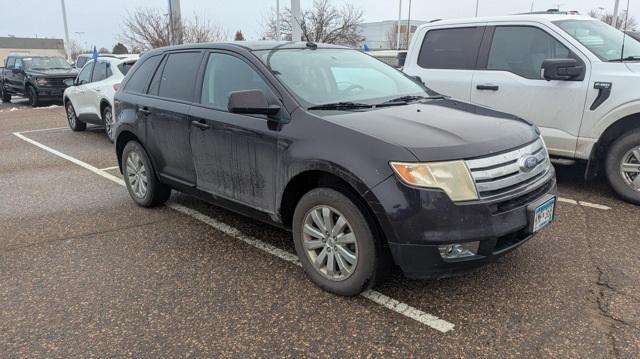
(142, 183)
(72, 118)
(34, 101)
(334, 242)
(623, 166)
(107, 117)
(6, 97)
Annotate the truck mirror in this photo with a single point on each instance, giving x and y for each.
(562, 70)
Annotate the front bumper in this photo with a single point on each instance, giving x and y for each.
(416, 221)
(51, 93)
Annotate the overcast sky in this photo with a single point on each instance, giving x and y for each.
(97, 22)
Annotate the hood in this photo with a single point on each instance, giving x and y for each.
(53, 72)
(633, 66)
(441, 130)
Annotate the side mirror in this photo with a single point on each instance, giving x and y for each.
(563, 70)
(251, 102)
(69, 82)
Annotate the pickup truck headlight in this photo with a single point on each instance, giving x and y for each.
(41, 82)
(453, 177)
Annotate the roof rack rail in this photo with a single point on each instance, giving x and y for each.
(551, 12)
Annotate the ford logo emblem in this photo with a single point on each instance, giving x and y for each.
(527, 163)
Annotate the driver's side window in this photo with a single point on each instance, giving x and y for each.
(84, 76)
(18, 64)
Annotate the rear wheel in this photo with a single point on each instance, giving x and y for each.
(72, 118)
(6, 97)
(142, 183)
(623, 166)
(336, 246)
(107, 117)
(34, 100)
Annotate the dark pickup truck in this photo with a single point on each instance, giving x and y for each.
(38, 78)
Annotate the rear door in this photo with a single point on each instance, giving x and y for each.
(510, 80)
(447, 58)
(234, 155)
(94, 88)
(166, 109)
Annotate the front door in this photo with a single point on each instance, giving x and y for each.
(234, 155)
(81, 98)
(511, 81)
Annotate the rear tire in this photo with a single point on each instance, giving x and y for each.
(356, 254)
(140, 178)
(34, 100)
(72, 118)
(6, 97)
(622, 166)
(107, 117)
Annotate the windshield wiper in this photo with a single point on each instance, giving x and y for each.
(403, 100)
(340, 106)
(628, 58)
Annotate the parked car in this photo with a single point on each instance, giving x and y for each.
(361, 162)
(393, 58)
(38, 78)
(82, 59)
(89, 97)
(634, 34)
(565, 73)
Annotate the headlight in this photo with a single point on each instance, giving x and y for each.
(452, 177)
(41, 82)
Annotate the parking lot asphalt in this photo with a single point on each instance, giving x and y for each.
(84, 272)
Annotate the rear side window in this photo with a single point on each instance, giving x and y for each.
(99, 71)
(522, 49)
(451, 48)
(125, 67)
(139, 79)
(179, 76)
(10, 62)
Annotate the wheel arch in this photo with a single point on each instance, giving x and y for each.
(104, 103)
(608, 136)
(123, 138)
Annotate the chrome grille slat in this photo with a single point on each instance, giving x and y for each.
(501, 173)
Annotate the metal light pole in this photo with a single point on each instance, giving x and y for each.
(66, 29)
(616, 9)
(409, 25)
(296, 31)
(399, 25)
(477, 6)
(277, 20)
(174, 21)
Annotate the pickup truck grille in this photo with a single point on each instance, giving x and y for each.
(57, 81)
(506, 172)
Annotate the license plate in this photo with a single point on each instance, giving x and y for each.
(543, 214)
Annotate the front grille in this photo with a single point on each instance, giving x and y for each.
(57, 81)
(503, 173)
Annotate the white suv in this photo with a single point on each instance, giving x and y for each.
(90, 98)
(567, 74)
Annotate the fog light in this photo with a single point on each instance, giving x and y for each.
(461, 250)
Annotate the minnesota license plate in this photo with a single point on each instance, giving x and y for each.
(543, 214)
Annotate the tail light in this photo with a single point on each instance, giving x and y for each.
(116, 87)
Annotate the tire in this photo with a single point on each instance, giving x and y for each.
(34, 101)
(622, 151)
(154, 193)
(72, 118)
(369, 254)
(109, 128)
(6, 97)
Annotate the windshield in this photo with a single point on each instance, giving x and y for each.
(43, 63)
(601, 39)
(326, 76)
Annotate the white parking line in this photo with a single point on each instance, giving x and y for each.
(377, 297)
(45, 130)
(109, 168)
(584, 203)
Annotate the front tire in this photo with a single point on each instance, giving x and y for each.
(337, 247)
(107, 117)
(140, 178)
(623, 166)
(72, 118)
(6, 97)
(34, 100)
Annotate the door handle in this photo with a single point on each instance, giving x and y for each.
(201, 125)
(144, 110)
(488, 87)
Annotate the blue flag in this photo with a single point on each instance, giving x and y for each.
(365, 47)
(95, 54)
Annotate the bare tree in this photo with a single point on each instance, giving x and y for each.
(623, 23)
(103, 50)
(148, 28)
(322, 23)
(239, 36)
(75, 49)
(392, 36)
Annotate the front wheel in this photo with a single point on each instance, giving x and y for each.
(336, 246)
(72, 118)
(107, 117)
(34, 100)
(623, 166)
(142, 183)
(6, 97)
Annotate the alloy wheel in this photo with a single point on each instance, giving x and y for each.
(330, 243)
(630, 168)
(136, 173)
(71, 115)
(108, 124)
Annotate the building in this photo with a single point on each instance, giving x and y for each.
(35, 46)
(382, 35)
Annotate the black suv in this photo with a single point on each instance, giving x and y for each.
(38, 78)
(364, 164)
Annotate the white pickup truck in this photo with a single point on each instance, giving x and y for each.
(575, 77)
